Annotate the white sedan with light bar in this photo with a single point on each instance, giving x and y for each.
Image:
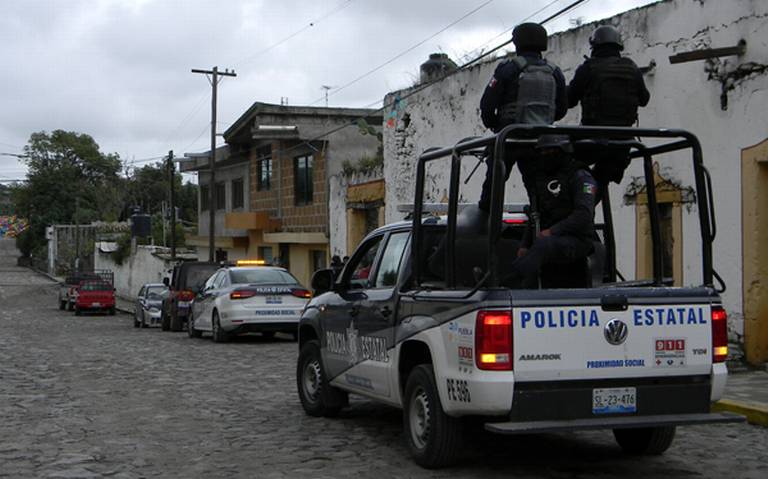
(248, 298)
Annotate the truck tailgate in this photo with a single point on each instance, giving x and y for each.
(587, 342)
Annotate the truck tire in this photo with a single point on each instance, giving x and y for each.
(191, 331)
(219, 335)
(175, 323)
(165, 323)
(318, 397)
(433, 437)
(111, 311)
(648, 440)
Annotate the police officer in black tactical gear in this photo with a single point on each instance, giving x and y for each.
(610, 88)
(523, 89)
(562, 196)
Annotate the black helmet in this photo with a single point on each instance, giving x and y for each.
(530, 37)
(606, 35)
(555, 141)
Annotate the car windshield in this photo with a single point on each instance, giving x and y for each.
(262, 276)
(156, 292)
(96, 287)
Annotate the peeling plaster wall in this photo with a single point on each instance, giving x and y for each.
(346, 145)
(687, 95)
(338, 186)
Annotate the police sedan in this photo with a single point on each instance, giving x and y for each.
(248, 298)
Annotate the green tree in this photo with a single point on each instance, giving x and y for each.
(68, 180)
(148, 188)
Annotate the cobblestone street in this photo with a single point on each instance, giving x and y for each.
(93, 397)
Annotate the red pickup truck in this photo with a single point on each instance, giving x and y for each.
(95, 296)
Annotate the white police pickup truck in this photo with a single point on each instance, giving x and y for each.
(418, 319)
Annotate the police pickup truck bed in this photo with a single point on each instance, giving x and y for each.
(639, 361)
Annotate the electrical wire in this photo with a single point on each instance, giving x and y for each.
(423, 86)
(426, 85)
(402, 53)
(341, 6)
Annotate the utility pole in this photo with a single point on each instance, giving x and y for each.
(77, 233)
(214, 81)
(171, 177)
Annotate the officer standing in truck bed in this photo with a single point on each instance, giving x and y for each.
(610, 88)
(524, 89)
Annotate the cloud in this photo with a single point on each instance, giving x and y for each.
(120, 70)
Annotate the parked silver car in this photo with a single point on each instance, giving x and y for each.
(149, 305)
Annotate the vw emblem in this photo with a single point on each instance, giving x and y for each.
(615, 331)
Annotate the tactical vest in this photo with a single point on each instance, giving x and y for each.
(554, 195)
(536, 91)
(612, 95)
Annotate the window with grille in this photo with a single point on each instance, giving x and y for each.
(237, 193)
(302, 180)
(221, 198)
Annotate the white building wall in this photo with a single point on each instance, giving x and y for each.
(686, 95)
(141, 267)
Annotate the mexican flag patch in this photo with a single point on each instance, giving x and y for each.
(590, 189)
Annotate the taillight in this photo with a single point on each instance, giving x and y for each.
(493, 340)
(242, 294)
(719, 334)
(185, 295)
(301, 293)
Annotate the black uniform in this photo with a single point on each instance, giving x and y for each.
(501, 92)
(565, 201)
(610, 88)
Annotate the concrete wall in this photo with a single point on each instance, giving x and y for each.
(723, 101)
(143, 266)
(338, 185)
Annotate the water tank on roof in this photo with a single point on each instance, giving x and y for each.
(436, 67)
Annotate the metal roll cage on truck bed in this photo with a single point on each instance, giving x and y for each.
(422, 318)
(580, 135)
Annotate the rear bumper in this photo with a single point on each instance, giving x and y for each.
(276, 327)
(619, 422)
(90, 307)
(572, 400)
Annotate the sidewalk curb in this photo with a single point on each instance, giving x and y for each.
(755, 414)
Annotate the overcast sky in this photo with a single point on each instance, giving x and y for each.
(119, 70)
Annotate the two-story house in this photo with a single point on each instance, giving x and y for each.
(282, 159)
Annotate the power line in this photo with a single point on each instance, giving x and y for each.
(404, 52)
(428, 84)
(521, 21)
(339, 7)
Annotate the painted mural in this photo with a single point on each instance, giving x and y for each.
(11, 226)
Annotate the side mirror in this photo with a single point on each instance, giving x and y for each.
(166, 281)
(322, 281)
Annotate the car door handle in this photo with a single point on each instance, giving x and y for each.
(385, 311)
